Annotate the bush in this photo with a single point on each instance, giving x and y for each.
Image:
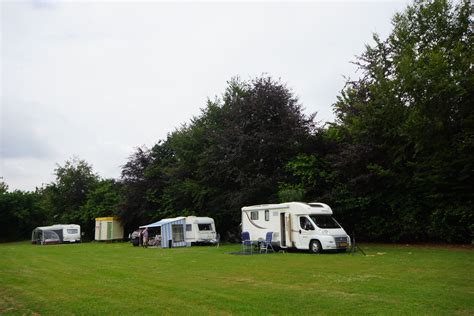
(452, 224)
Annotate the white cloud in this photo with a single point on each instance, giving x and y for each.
(98, 79)
(25, 131)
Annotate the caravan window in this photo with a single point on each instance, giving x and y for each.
(178, 233)
(267, 215)
(189, 227)
(71, 231)
(254, 215)
(205, 226)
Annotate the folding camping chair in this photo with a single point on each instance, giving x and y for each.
(267, 243)
(246, 242)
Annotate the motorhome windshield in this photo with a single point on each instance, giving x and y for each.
(324, 221)
(205, 226)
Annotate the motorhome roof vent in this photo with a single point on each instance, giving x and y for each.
(316, 205)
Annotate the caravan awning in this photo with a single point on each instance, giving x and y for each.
(162, 222)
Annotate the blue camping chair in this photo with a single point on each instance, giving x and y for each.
(246, 242)
(267, 243)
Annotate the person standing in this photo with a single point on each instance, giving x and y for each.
(145, 237)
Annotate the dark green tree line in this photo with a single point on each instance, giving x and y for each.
(19, 213)
(396, 165)
(405, 130)
(76, 196)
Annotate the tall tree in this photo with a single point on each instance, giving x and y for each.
(65, 197)
(407, 126)
(138, 201)
(231, 155)
(103, 200)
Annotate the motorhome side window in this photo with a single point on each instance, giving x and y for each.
(205, 226)
(306, 224)
(267, 215)
(71, 231)
(254, 215)
(189, 227)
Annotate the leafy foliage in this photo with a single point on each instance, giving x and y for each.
(19, 214)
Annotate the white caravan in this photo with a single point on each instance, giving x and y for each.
(295, 225)
(60, 233)
(200, 230)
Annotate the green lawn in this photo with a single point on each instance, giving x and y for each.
(96, 278)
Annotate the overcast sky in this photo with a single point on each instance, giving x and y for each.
(97, 79)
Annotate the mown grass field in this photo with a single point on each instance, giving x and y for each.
(118, 279)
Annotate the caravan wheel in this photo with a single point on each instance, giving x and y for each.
(315, 246)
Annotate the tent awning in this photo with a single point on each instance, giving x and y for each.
(162, 222)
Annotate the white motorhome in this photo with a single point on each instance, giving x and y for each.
(296, 225)
(200, 230)
(60, 233)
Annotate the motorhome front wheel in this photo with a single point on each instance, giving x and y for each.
(315, 246)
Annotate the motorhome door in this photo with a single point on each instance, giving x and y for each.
(285, 228)
(282, 230)
(303, 232)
